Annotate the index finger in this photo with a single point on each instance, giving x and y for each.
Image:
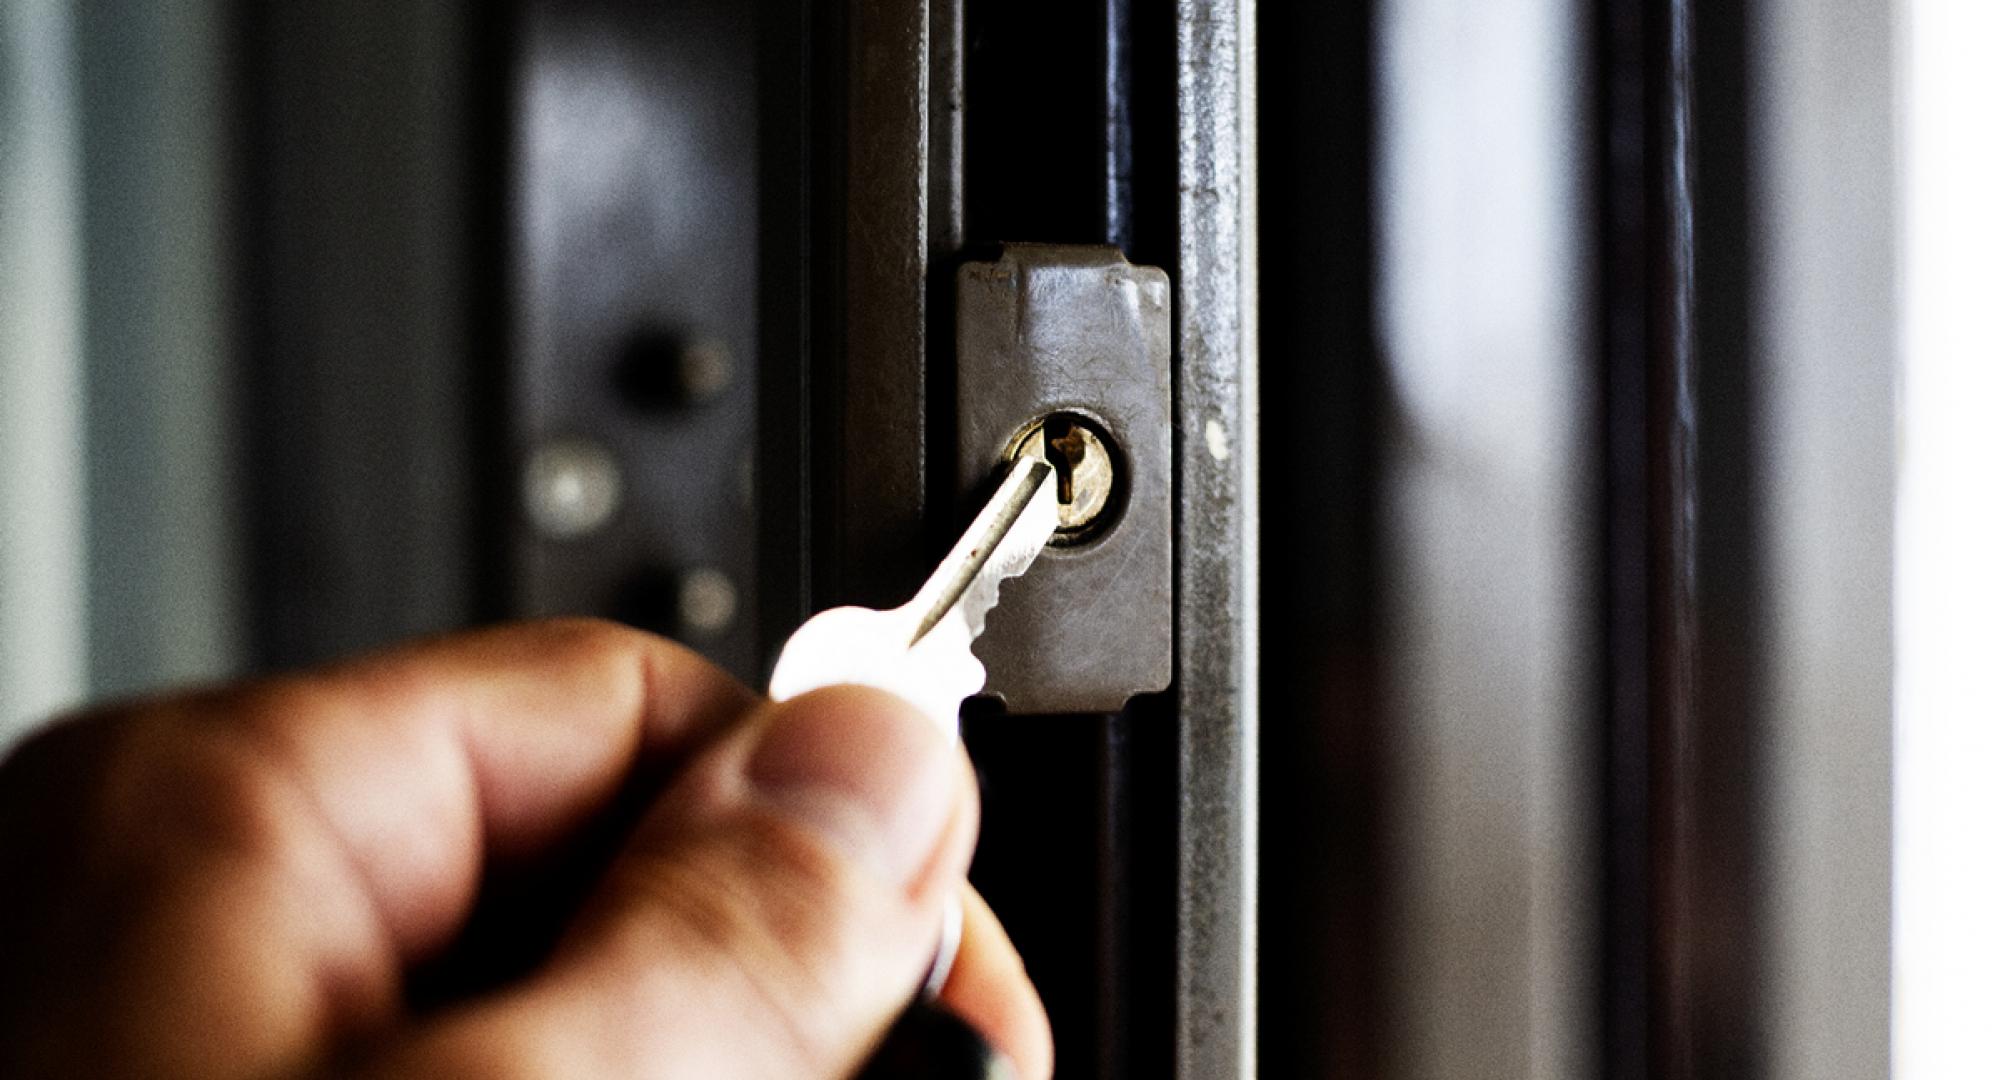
(225, 882)
(428, 762)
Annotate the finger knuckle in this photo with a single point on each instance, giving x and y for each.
(592, 636)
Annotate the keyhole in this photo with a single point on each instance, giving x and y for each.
(1086, 471)
(1065, 449)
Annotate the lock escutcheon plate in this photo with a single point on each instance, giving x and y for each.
(1078, 331)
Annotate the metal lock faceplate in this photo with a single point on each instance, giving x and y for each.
(1076, 332)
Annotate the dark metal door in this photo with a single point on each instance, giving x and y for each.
(705, 296)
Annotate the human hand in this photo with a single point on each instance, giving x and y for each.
(552, 849)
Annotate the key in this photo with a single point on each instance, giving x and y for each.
(922, 651)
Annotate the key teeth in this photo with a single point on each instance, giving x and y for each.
(1018, 550)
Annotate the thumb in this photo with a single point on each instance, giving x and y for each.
(770, 917)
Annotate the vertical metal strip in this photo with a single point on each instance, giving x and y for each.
(1731, 760)
(876, 462)
(1671, 431)
(1216, 581)
(1118, 89)
(1650, 424)
(1622, 272)
(946, 139)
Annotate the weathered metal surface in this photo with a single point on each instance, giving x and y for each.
(875, 467)
(1053, 329)
(1216, 524)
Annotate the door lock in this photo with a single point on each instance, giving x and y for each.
(1064, 355)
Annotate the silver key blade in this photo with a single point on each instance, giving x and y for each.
(1002, 542)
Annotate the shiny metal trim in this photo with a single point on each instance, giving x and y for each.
(1216, 576)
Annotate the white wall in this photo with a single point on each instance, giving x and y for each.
(1822, 137)
(1947, 735)
(1825, 231)
(42, 538)
(119, 568)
